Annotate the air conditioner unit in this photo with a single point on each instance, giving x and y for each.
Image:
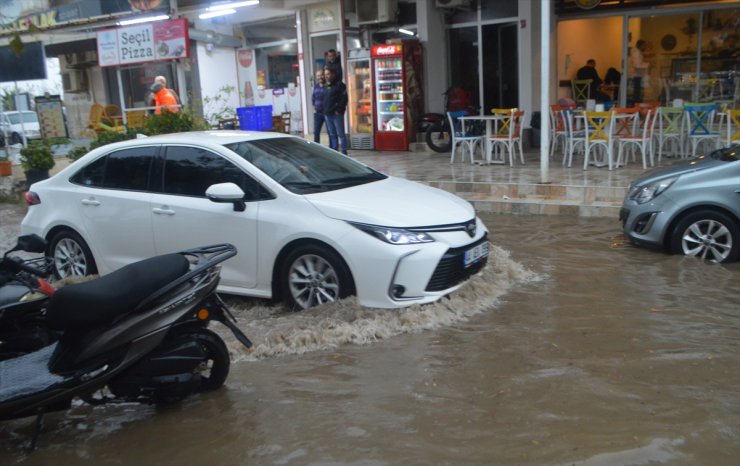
(74, 81)
(376, 11)
(453, 3)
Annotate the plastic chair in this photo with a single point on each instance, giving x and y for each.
(581, 90)
(699, 121)
(462, 136)
(507, 133)
(642, 141)
(669, 122)
(576, 139)
(558, 133)
(599, 131)
(732, 135)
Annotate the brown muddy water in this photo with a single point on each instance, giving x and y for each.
(572, 347)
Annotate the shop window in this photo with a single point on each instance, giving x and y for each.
(496, 9)
(277, 66)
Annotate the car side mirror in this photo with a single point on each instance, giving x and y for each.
(227, 193)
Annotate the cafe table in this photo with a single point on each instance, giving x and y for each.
(498, 158)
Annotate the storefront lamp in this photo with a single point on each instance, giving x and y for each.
(145, 19)
(232, 5)
(213, 14)
(406, 31)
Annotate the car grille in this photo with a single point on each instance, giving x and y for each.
(450, 271)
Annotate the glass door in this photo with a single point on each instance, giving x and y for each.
(389, 93)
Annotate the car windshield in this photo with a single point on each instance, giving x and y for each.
(28, 117)
(304, 167)
(729, 154)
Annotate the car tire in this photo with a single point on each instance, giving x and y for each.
(71, 257)
(707, 234)
(15, 138)
(314, 275)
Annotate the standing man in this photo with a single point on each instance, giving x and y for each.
(335, 104)
(639, 70)
(164, 99)
(333, 62)
(317, 99)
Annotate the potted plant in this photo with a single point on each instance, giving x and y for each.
(6, 167)
(37, 159)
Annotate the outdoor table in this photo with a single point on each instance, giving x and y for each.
(489, 119)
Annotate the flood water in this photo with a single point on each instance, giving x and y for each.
(572, 347)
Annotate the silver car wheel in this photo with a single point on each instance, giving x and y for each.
(312, 281)
(707, 239)
(69, 259)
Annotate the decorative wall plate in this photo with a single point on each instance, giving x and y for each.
(668, 42)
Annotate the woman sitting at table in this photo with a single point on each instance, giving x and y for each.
(589, 72)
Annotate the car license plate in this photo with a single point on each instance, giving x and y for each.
(475, 254)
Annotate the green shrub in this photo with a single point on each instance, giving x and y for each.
(173, 122)
(109, 137)
(37, 156)
(77, 152)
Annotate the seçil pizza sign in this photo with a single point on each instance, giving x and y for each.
(163, 40)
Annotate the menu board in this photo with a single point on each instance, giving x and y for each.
(51, 117)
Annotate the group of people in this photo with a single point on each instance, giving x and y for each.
(639, 72)
(329, 99)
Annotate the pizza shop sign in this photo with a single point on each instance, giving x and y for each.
(163, 40)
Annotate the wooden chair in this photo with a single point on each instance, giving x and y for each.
(699, 125)
(462, 136)
(581, 91)
(670, 129)
(641, 141)
(507, 133)
(112, 115)
(733, 128)
(135, 118)
(599, 129)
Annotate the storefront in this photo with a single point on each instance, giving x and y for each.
(688, 50)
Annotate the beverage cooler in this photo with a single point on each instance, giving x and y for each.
(360, 103)
(399, 99)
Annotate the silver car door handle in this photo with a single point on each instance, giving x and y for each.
(91, 202)
(163, 211)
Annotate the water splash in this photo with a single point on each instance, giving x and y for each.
(275, 332)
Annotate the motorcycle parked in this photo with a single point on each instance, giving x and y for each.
(137, 334)
(436, 126)
(24, 293)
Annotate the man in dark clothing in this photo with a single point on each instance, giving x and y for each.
(335, 104)
(589, 72)
(333, 62)
(317, 99)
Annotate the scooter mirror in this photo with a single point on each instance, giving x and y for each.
(31, 243)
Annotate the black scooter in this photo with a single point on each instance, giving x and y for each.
(139, 332)
(24, 294)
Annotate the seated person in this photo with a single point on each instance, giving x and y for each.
(589, 72)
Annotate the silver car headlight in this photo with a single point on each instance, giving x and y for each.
(648, 192)
(394, 235)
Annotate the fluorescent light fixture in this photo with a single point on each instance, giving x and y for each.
(213, 14)
(406, 31)
(232, 5)
(145, 19)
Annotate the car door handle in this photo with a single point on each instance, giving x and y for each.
(91, 202)
(163, 211)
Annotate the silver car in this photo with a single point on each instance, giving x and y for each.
(690, 208)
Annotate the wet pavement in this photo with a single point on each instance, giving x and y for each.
(572, 347)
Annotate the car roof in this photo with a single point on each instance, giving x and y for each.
(218, 137)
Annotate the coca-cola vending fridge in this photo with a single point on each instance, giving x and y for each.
(360, 93)
(399, 98)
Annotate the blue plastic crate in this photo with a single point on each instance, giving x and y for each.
(257, 118)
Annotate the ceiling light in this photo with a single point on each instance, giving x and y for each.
(232, 5)
(406, 31)
(213, 14)
(145, 19)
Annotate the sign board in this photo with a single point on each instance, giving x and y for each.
(382, 50)
(51, 116)
(163, 40)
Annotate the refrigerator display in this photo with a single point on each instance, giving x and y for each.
(398, 94)
(360, 105)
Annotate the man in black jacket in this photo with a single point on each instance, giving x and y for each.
(335, 104)
(333, 62)
(589, 72)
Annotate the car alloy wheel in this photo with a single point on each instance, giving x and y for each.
(315, 275)
(708, 235)
(71, 256)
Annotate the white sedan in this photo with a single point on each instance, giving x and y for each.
(310, 225)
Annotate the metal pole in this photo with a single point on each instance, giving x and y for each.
(545, 92)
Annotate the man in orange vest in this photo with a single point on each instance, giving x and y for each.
(164, 98)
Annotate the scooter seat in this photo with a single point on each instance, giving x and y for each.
(88, 304)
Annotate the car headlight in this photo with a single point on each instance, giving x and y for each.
(648, 192)
(394, 235)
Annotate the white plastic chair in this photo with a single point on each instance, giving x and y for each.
(640, 141)
(507, 134)
(669, 128)
(462, 137)
(575, 139)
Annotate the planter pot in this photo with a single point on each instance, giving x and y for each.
(32, 176)
(6, 168)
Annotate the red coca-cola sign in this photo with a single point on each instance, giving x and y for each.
(246, 57)
(387, 49)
